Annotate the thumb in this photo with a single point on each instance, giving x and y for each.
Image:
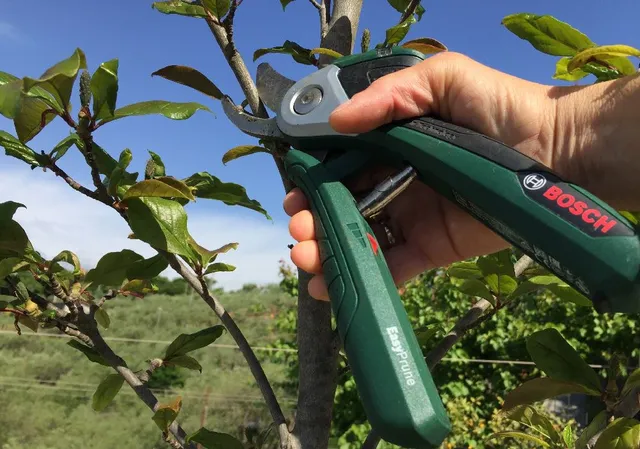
(410, 92)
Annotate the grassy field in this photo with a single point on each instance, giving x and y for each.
(46, 387)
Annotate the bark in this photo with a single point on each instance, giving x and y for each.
(317, 343)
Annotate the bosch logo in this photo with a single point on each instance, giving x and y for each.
(534, 181)
(588, 214)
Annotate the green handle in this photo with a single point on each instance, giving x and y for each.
(571, 232)
(396, 389)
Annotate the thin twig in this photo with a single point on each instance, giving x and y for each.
(474, 317)
(102, 193)
(120, 366)
(199, 284)
(316, 4)
(107, 296)
(410, 10)
(154, 364)
(72, 183)
(172, 442)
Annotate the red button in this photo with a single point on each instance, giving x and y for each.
(374, 243)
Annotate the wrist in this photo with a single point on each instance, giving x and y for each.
(596, 141)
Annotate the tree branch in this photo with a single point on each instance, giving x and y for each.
(410, 10)
(88, 327)
(471, 319)
(72, 183)
(101, 190)
(199, 284)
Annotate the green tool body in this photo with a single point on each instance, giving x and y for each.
(572, 233)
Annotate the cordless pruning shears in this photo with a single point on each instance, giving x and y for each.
(566, 229)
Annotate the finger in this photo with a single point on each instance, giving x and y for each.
(301, 226)
(410, 92)
(318, 288)
(406, 262)
(294, 202)
(306, 256)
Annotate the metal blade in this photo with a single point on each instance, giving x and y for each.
(249, 124)
(272, 86)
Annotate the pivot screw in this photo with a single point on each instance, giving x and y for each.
(307, 100)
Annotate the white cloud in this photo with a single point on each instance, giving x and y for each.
(57, 218)
(9, 31)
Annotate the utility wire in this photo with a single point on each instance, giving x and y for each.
(266, 349)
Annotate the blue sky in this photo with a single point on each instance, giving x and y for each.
(34, 35)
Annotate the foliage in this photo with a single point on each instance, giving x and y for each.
(531, 315)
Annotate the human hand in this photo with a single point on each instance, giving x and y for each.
(429, 230)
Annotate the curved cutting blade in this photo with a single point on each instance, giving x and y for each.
(271, 86)
(249, 124)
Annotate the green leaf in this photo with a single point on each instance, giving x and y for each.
(105, 163)
(14, 148)
(633, 217)
(63, 146)
(138, 287)
(13, 238)
(31, 118)
(425, 45)
(497, 263)
(284, 3)
(396, 33)
(171, 110)
(219, 267)
(107, 391)
(465, 270)
(425, 335)
(218, 8)
(182, 8)
(167, 413)
(522, 436)
(161, 223)
(190, 77)
(601, 72)
(206, 255)
(155, 167)
(622, 65)
(147, 268)
(58, 80)
(111, 269)
(210, 187)
(71, 259)
(114, 181)
(567, 436)
(563, 74)
(557, 359)
(501, 284)
(601, 53)
(28, 322)
(125, 158)
(102, 318)
(298, 53)
(214, 440)
(326, 51)
(10, 90)
(242, 150)
(595, 426)
(530, 417)
(162, 187)
(540, 389)
(547, 34)
(186, 361)
(104, 88)
(185, 343)
(555, 286)
(622, 433)
(402, 5)
(475, 287)
(11, 265)
(633, 381)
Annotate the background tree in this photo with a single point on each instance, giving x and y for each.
(73, 301)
